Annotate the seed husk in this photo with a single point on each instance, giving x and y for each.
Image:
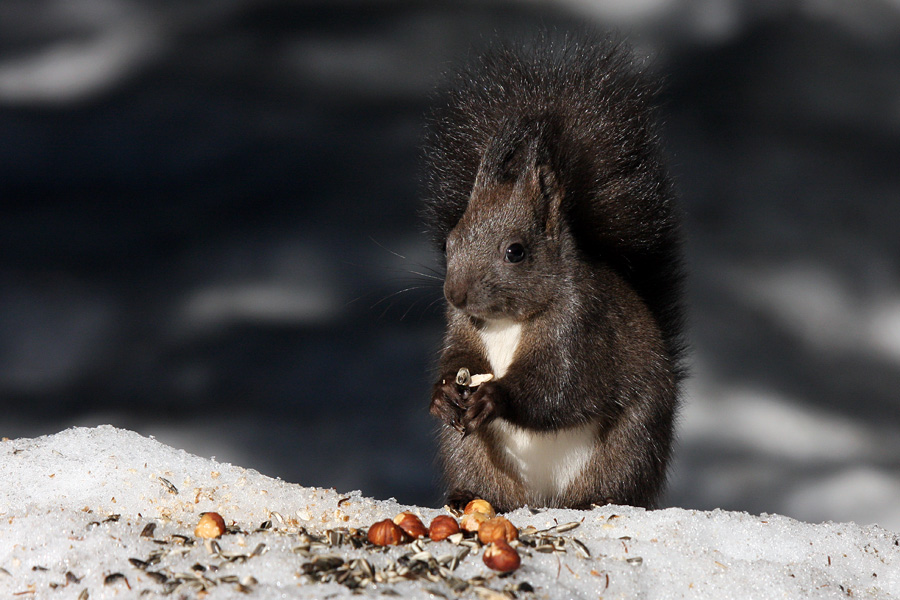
(157, 576)
(487, 593)
(565, 527)
(114, 577)
(581, 549)
(168, 485)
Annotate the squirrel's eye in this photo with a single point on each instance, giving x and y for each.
(515, 253)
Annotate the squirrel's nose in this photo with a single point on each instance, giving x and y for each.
(456, 293)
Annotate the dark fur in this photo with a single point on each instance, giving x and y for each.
(554, 146)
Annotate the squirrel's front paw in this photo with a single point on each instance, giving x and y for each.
(447, 404)
(483, 406)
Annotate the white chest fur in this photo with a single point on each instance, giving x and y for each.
(547, 462)
(501, 338)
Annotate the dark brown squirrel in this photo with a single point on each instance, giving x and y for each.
(549, 199)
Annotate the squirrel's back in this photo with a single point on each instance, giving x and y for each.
(599, 109)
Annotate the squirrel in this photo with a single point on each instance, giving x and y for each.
(555, 216)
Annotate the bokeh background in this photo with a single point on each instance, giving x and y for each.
(209, 234)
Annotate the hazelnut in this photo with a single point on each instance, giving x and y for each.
(497, 529)
(385, 533)
(411, 525)
(442, 527)
(502, 557)
(472, 521)
(211, 525)
(480, 506)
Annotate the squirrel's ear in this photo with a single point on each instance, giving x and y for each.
(551, 195)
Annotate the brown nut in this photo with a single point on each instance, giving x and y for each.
(496, 530)
(502, 557)
(411, 525)
(472, 521)
(211, 525)
(385, 533)
(481, 506)
(442, 527)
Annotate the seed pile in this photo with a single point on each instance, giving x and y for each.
(161, 565)
(389, 552)
(500, 541)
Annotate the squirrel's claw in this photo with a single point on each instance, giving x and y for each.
(446, 405)
(482, 407)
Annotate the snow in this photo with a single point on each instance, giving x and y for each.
(61, 494)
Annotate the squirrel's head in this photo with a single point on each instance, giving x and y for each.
(505, 256)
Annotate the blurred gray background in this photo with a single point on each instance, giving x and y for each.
(209, 213)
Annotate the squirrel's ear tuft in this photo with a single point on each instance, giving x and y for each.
(550, 198)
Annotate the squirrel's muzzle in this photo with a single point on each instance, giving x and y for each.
(456, 291)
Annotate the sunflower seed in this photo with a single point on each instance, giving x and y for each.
(488, 593)
(157, 576)
(168, 485)
(460, 556)
(114, 577)
(581, 549)
(457, 585)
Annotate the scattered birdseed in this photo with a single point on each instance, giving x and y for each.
(168, 485)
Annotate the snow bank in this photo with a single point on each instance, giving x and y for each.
(76, 507)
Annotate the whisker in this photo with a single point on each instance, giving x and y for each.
(426, 275)
(432, 303)
(435, 272)
(406, 312)
(398, 292)
(383, 247)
